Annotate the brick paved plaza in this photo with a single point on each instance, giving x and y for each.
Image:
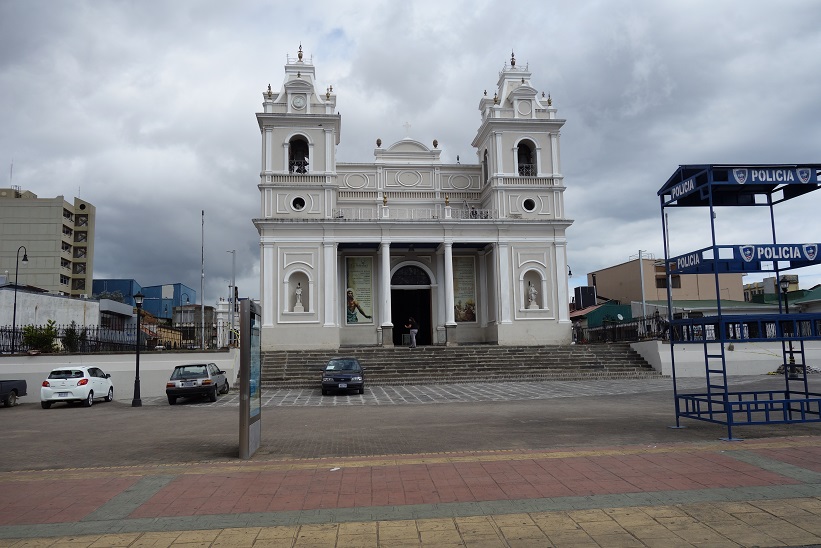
(590, 463)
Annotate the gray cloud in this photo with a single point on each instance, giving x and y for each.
(146, 109)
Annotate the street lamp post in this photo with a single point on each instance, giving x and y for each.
(137, 402)
(14, 313)
(784, 283)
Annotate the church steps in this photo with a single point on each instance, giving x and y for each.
(461, 364)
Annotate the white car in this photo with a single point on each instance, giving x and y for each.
(76, 383)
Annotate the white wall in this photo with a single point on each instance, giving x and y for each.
(746, 358)
(39, 308)
(155, 369)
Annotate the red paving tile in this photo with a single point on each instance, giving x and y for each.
(546, 474)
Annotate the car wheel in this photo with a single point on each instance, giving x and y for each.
(89, 401)
(324, 392)
(362, 390)
(172, 400)
(110, 396)
(45, 404)
(11, 400)
(212, 395)
(225, 388)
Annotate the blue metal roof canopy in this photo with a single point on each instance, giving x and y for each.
(742, 185)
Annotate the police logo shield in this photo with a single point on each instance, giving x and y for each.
(810, 251)
(740, 176)
(803, 174)
(747, 252)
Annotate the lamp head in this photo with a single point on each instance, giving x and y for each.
(138, 299)
(784, 283)
(25, 258)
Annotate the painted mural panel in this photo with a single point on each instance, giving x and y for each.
(464, 289)
(359, 290)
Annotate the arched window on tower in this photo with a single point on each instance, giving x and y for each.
(485, 174)
(526, 159)
(298, 155)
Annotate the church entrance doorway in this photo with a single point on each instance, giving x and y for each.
(411, 302)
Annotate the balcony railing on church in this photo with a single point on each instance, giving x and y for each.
(527, 170)
(298, 166)
(413, 213)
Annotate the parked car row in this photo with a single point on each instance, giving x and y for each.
(86, 384)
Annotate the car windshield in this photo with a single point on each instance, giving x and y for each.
(342, 365)
(189, 371)
(66, 374)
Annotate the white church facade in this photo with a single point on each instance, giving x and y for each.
(350, 251)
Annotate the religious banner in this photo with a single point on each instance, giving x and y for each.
(464, 289)
(359, 290)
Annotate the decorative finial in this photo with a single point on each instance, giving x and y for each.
(269, 91)
(332, 88)
(485, 93)
(447, 200)
(378, 143)
(512, 59)
(384, 199)
(542, 95)
(457, 159)
(299, 55)
(435, 143)
(328, 93)
(298, 74)
(549, 101)
(523, 80)
(495, 99)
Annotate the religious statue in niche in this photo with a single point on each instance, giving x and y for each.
(298, 294)
(531, 296)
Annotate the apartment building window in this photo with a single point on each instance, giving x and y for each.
(79, 268)
(67, 231)
(79, 284)
(79, 252)
(82, 220)
(64, 279)
(65, 263)
(66, 247)
(68, 215)
(80, 236)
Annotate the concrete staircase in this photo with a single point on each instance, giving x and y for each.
(461, 364)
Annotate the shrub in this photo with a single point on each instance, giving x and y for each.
(41, 338)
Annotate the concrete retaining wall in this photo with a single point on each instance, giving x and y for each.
(750, 358)
(155, 368)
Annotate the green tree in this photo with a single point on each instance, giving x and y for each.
(71, 338)
(41, 338)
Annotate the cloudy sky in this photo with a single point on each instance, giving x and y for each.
(146, 109)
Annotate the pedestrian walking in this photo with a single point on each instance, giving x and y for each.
(414, 329)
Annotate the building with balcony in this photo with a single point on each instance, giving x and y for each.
(475, 252)
(58, 236)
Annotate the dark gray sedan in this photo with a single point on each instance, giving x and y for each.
(343, 374)
(196, 379)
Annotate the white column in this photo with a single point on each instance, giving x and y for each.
(311, 158)
(498, 148)
(449, 312)
(385, 289)
(329, 284)
(267, 276)
(329, 151)
(267, 149)
(505, 286)
(442, 314)
(562, 289)
(554, 154)
(285, 157)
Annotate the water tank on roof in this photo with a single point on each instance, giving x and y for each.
(585, 296)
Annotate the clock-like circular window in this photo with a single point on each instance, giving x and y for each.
(529, 204)
(298, 203)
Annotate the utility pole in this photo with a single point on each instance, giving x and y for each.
(641, 274)
(202, 280)
(231, 292)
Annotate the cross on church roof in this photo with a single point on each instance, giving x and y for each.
(407, 127)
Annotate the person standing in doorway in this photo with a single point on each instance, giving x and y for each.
(414, 329)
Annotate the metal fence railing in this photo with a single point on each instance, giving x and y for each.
(95, 338)
(636, 329)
